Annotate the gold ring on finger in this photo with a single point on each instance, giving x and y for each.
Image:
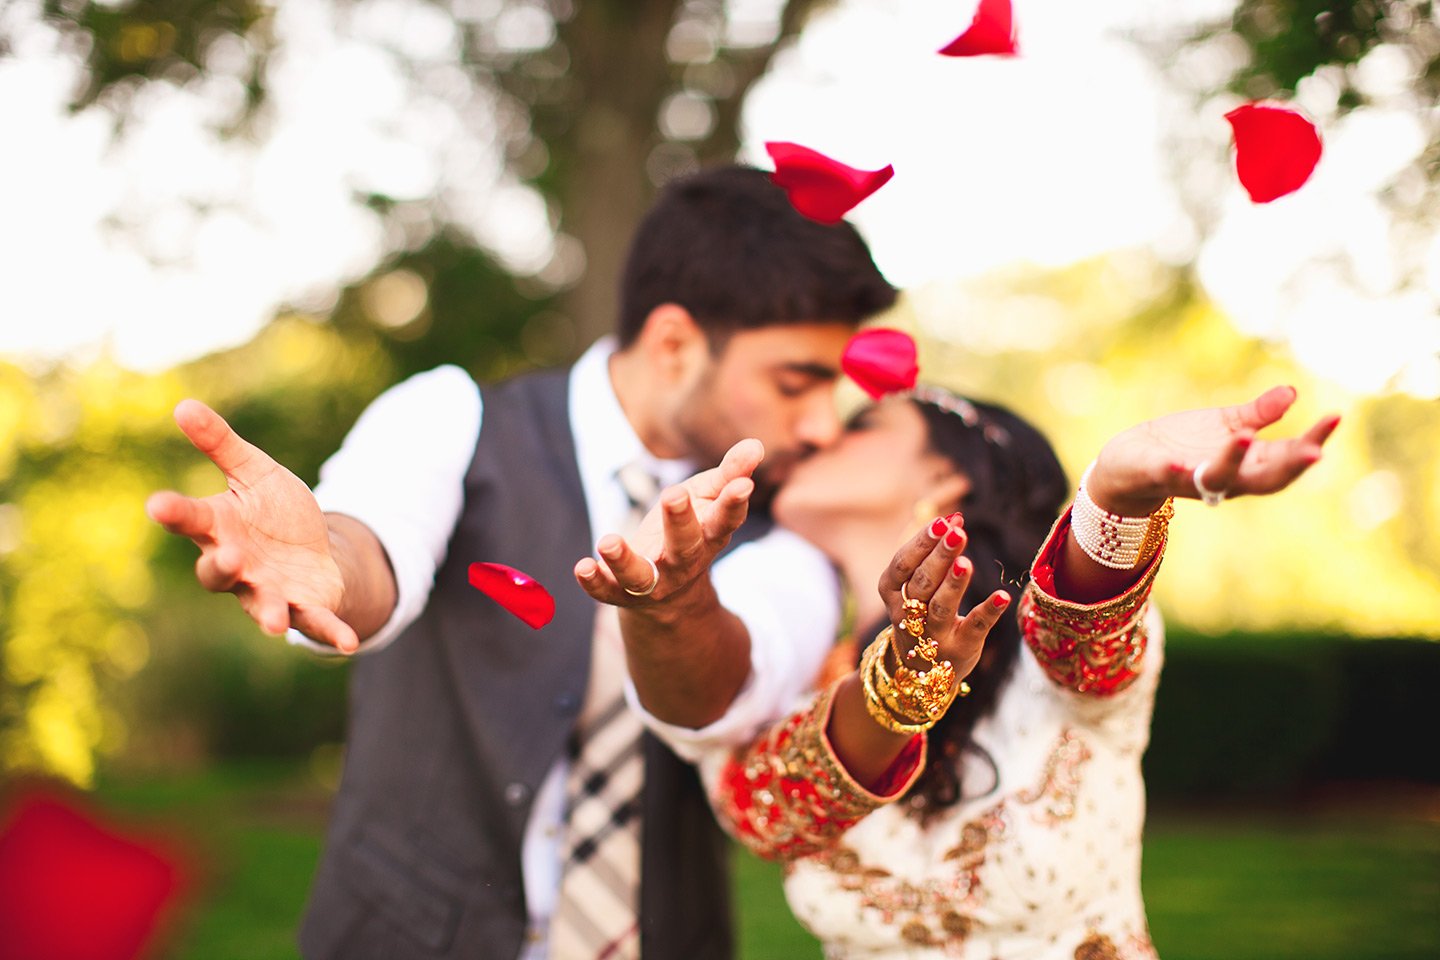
(914, 613)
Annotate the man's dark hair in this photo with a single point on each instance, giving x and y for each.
(726, 244)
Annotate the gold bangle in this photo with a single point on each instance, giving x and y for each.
(870, 663)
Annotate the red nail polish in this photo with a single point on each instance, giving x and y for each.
(960, 567)
(953, 539)
(956, 518)
(1000, 600)
(937, 528)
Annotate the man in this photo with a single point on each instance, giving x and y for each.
(480, 814)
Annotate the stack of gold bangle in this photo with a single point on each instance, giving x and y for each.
(912, 701)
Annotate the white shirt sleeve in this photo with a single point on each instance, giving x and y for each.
(401, 472)
(788, 596)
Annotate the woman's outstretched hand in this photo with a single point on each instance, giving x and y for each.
(930, 569)
(1139, 469)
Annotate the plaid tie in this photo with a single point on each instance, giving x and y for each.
(597, 915)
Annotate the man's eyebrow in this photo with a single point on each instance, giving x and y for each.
(818, 371)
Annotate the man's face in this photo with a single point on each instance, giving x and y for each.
(776, 384)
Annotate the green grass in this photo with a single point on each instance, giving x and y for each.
(1218, 888)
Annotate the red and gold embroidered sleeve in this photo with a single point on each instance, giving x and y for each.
(787, 795)
(1091, 648)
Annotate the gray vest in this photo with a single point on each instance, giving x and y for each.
(454, 726)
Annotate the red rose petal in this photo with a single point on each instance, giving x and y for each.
(991, 33)
(71, 889)
(820, 188)
(1276, 149)
(881, 361)
(514, 590)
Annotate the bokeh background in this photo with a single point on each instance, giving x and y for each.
(282, 209)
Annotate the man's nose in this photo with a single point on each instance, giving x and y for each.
(819, 426)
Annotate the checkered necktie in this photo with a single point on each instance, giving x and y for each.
(597, 915)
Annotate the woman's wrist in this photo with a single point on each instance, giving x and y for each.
(1113, 492)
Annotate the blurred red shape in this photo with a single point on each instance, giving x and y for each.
(514, 590)
(881, 361)
(991, 33)
(819, 187)
(71, 889)
(1276, 149)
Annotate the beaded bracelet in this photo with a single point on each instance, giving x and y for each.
(1120, 543)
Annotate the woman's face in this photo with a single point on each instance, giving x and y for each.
(875, 474)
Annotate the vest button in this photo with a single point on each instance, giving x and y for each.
(516, 794)
(566, 703)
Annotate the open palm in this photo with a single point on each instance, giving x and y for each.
(1157, 459)
(264, 539)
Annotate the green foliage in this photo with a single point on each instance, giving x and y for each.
(1290, 40)
(1247, 715)
(123, 46)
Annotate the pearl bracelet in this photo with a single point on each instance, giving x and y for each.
(1120, 543)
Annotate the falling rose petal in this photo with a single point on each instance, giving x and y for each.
(881, 361)
(1276, 149)
(71, 889)
(991, 33)
(514, 590)
(820, 188)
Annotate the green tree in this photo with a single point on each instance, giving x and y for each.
(597, 101)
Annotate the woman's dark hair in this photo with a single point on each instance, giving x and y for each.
(726, 244)
(1017, 488)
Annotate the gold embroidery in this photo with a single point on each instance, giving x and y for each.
(803, 799)
(929, 912)
(1089, 648)
(1097, 946)
(1060, 784)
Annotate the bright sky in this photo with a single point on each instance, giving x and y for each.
(1047, 158)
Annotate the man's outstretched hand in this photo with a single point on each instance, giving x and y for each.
(264, 539)
(682, 534)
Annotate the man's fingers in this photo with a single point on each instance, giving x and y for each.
(741, 460)
(323, 626)
(728, 511)
(684, 536)
(267, 608)
(631, 571)
(182, 515)
(238, 459)
(219, 569)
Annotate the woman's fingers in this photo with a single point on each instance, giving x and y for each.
(963, 644)
(1271, 466)
(1219, 473)
(1264, 410)
(920, 565)
(944, 604)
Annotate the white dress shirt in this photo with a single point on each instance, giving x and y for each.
(401, 472)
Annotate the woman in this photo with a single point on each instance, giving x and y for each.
(917, 821)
